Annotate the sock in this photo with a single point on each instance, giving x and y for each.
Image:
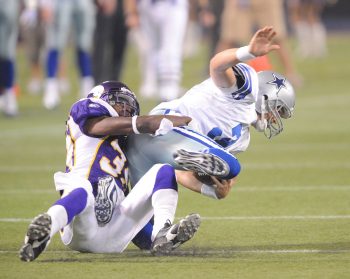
(65, 209)
(164, 203)
(59, 218)
(52, 63)
(84, 63)
(7, 73)
(143, 239)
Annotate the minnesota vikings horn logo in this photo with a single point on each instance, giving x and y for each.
(278, 82)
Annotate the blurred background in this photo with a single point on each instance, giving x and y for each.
(53, 52)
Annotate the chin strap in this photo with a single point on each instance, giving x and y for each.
(261, 124)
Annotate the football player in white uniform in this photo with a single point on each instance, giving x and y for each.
(159, 27)
(95, 212)
(223, 107)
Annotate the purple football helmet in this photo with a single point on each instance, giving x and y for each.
(115, 92)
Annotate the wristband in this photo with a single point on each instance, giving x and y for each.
(208, 191)
(133, 123)
(243, 54)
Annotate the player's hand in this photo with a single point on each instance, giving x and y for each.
(150, 124)
(222, 186)
(179, 120)
(262, 41)
(107, 6)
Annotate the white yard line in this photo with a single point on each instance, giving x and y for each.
(297, 165)
(199, 252)
(291, 188)
(235, 189)
(229, 218)
(248, 166)
(278, 218)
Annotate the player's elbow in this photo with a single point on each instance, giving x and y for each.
(214, 66)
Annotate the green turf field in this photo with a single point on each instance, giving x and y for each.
(287, 217)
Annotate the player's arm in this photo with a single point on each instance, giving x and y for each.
(103, 126)
(219, 190)
(221, 64)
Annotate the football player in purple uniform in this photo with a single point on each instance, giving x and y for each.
(95, 212)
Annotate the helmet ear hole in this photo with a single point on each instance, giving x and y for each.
(115, 92)
(284, 112)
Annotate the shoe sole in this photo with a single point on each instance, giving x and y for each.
(187, 228)
(26, 253)
(201, 162)
(39, 229)
(162, 249)
(104, 204)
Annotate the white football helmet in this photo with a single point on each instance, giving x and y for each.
(276, 96)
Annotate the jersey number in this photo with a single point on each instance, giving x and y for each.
(216, 135)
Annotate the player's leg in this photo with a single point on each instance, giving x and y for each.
(172, 34)
(8, 40)
(146, 38)
(84, 22)
(56, 36)
(74, 202)
(205, 155)
(143, 239)
(154, 195)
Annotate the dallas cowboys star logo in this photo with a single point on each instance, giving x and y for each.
(278, 82)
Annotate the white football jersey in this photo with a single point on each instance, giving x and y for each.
(223, 114)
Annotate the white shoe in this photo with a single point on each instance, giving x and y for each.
(51, 98)
(172, 236)
(34, 86)
(10, 107)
